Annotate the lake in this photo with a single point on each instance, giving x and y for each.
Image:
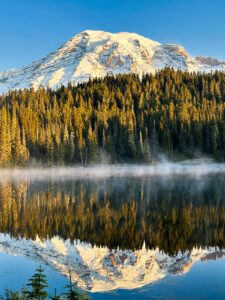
(126, 232)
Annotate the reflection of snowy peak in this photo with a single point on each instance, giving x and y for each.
(97, 53)
(99, 269)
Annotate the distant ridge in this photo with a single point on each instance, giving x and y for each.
(97, 53)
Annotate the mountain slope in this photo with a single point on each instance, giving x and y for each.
(97, 53)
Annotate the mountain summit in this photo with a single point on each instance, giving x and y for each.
(97, 53)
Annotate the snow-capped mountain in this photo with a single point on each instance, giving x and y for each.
(97, 53)
(100, 269)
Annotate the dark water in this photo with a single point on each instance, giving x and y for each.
(174, 213)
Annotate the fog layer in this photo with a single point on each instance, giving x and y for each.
(190, 168)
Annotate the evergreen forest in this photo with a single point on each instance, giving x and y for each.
(115, 119)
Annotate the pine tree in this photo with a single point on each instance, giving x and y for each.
(15, 295)
(38, 284)
(5, 145)
(56, 297)
(73, 292)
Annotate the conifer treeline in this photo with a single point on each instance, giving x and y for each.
(131, 119)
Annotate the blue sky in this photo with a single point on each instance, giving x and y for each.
(30, 29)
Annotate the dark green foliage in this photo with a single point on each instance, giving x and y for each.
(15, 295)
(37, 284)
(177, 113)
(56, 297)
(73, 293)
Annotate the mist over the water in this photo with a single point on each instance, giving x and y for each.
(165, 169)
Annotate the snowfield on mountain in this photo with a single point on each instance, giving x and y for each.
(91, 54)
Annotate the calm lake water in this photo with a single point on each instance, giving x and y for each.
(123, 232)
(16, 270)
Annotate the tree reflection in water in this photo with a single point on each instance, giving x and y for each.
(177, 213)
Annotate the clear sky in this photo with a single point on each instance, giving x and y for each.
(30, 29)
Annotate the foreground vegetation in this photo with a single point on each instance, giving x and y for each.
(36, 290)
(123, 118)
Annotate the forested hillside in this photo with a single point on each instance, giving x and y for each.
(123, 118)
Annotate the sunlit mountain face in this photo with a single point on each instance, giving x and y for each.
(92, 54)
(115, 232)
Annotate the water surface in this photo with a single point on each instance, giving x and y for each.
(16, 270)
(132, 232)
